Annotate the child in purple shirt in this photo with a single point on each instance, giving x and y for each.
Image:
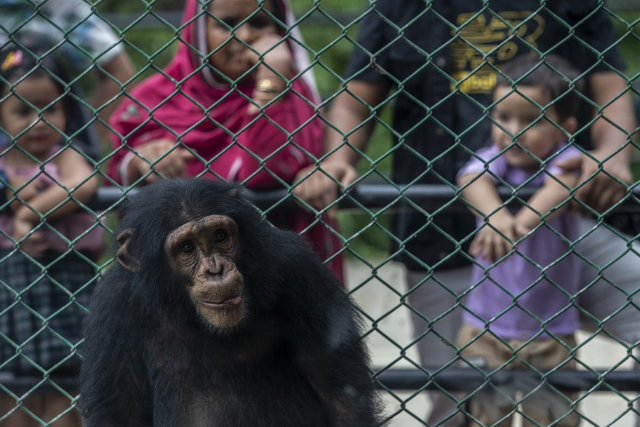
(519, 310)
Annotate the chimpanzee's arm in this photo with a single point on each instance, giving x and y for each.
(336, 367)
(114, 385)
(325, 332)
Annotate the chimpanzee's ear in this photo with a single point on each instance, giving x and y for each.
(123, 254)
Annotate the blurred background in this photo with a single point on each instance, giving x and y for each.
(149, 30)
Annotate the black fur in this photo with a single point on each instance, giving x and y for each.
(297, 360)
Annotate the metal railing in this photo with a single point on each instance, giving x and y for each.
(374, 196)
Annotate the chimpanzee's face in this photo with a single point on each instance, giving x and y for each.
(205, 250)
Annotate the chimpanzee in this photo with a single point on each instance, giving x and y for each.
(213, 317)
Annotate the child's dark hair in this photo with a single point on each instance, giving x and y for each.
(16, 63)
(553, 74)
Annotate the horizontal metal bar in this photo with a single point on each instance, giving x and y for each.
(452, 379)
(374, 196)
(465, 379)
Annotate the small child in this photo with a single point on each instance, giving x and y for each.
(45, 250)
(518, 312)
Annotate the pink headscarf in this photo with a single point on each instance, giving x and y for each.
(211, 119)
(172, 103)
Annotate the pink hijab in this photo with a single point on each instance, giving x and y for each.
(182, 103)
(156, 109)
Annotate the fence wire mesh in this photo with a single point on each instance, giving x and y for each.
(419, 78)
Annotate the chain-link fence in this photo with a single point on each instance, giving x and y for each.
(100, 99)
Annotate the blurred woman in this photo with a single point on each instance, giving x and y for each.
(236, 103)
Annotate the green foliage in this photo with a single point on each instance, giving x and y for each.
(635, 169)
(150, 49)
(301, 6)
(128, 6)
(627, 27)
(368, 236)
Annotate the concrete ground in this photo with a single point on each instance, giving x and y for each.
(378, 296)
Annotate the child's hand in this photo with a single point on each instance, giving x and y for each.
(25, 194)
(30, 191)
(496, 240)
(35, 245)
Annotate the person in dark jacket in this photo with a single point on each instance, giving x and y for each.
(443, 57)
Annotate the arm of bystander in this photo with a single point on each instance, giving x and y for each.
(348, 133)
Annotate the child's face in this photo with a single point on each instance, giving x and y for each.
(231, 59)
(16, 115)
(514, 114)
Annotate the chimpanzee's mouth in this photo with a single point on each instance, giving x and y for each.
(223, 303)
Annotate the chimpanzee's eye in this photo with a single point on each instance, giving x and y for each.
(220, 236)
(187, 247)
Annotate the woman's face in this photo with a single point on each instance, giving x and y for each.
(232, 40)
